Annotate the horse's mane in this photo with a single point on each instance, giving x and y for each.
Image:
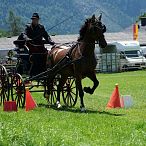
(83, 30)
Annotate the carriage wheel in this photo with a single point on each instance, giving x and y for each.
(4, 85)
(70, 92)
(18, 90)
(52, 95)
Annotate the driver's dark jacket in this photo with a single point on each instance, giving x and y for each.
(37, 33)
(39, 52)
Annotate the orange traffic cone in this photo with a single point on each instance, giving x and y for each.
(30, 103)
(114, 99)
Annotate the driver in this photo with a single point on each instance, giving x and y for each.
(36, 32)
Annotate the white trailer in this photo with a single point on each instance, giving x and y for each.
(120, 55)
(107, 59)
(131, 56)
(143, 49)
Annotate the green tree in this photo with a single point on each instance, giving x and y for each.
(3, 33)
(14, 23)
(144, 15)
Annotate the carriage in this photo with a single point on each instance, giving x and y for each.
(13, 82)
(62, 74)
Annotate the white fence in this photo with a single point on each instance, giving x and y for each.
(114, 62)
(108, 62)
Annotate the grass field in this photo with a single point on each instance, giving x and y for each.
(68, 127)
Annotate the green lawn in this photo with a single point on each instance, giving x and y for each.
(68, 127)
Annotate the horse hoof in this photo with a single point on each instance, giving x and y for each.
(88, 90)
(46, 95)
(83, 109)
(58, 104)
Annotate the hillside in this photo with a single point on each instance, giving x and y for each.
(117, 14)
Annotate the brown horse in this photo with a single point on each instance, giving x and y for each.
(92, 30)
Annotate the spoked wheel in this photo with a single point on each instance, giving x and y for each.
(4, 85)
(70, 92)
(51, 94)
(18, 90)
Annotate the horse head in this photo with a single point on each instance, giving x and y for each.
(94, 30)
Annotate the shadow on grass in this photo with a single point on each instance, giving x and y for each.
(77, 110)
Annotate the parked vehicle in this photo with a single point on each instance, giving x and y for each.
(131, 56)
(129, 53)
(143, 49)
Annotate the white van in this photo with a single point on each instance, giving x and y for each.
(143, 48)
(128, 55)
(131, 56)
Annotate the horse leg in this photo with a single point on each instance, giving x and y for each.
(92, 76)
(81, 94)
(48, 86)
(58, 95)
(62, 81)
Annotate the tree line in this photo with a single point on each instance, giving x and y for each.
(14, 23)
